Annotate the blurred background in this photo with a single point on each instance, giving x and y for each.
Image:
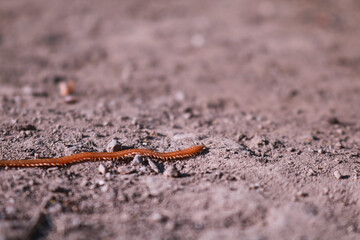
(298, 55)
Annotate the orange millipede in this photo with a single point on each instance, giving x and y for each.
(102, 156)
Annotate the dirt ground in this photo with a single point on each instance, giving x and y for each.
(272, 88)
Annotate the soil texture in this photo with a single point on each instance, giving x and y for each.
(272, 88)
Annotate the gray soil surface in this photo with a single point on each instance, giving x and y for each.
(272, 88)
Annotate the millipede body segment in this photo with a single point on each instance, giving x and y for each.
(103, 156)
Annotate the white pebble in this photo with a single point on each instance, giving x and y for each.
(137, 160)
(104, 188)
(311, 172)
(113, 146)
(101, 182)
(70, 99)
(125, 170)
(102, 169)
(171, 171)
(108, 176)
(157, 217)
(153, 166)
(337, 174)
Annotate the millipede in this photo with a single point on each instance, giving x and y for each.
(104, 156)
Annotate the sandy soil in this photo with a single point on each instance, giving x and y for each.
(271, 87)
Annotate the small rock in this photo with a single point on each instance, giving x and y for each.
(311, 172)
(157, 217)
(337, 174)
(187, 115)
(144, 169)
(291, 149)
(180, 96)
(125, 170)
(134, 121)
(107, 176)
(137, 160)
(340, 131)
(321, 151)
(10, 210)
(170, 226)
(339, 145)
(171, 171)
(101, 182)
(255, 186)
(102, 169)
(104, 188)
(302, 194)
(338, 160)
(355, 176)
(52, 169)
(153, 166)
(84, 182)
(70, 99)
(113, 146)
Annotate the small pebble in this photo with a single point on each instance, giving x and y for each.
(102, 169)
(153, 166)
(337, 174)
(70, 99)
(101, 182)
(157, 217)
(170, 226)
(125, 170)
(113, 146)
(144, 169)
(321, 151)
(339, 145)
(302, 194)
(83, 183)
(52, 169)
(137, 160)
(171, 171)
(108, 176)
(180, 96)
(355, 176)
(311, 172)
(291, 149)
(10, 210)
(104, 188)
